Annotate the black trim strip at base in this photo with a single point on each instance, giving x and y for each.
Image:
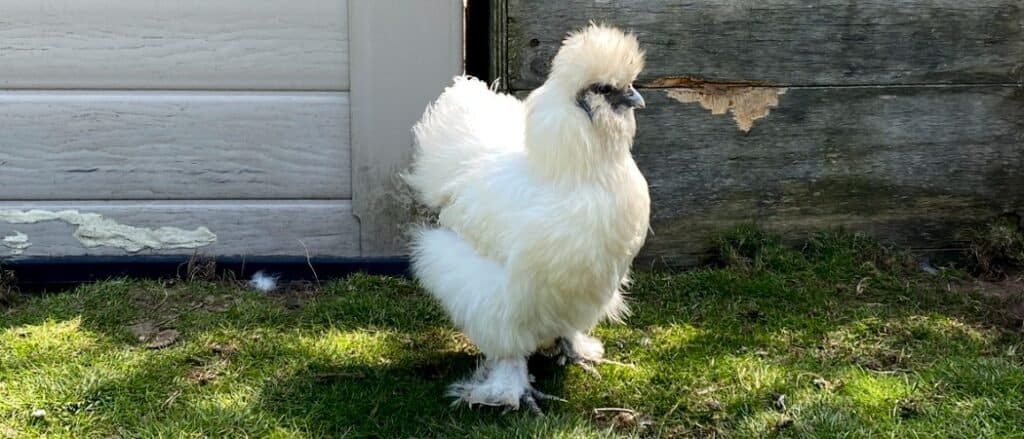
(79, 269)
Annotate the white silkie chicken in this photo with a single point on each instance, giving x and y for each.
(542, 210)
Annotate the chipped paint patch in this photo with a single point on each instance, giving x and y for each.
(94, 230)
(746, 104)
(18, 243)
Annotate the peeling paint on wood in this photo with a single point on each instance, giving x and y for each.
(17, 242)
(243, 227)
(746, 104)
(93, 230)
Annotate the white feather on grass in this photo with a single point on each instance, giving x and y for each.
(263, 282)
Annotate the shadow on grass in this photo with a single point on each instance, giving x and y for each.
(854, 346)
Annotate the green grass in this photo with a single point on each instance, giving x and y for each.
(859, 345)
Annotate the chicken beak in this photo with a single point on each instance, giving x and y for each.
(634, 99)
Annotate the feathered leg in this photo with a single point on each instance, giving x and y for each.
(582, 350)
(579, 349)
(500, 383)
(586, 351)
(465, 284)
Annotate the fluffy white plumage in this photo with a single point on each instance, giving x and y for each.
(541, 210)
(263, 282)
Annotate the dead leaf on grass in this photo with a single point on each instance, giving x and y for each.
(223, 349)
(202, 376)
(622, 418)
(713, 405)
(163, 339)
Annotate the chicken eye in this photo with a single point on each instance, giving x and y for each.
(605, 89)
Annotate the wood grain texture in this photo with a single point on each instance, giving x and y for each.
(499, 44)
(788, 42)
(182, 44)
(249, 228)
(394, 76)
(911, 165)
(149, 145)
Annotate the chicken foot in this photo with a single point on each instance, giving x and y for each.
(500, 383)
(582, 350)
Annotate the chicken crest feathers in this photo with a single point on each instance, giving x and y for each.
(598, 53)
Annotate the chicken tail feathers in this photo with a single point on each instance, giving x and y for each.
(467, 122)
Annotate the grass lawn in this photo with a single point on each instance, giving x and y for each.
(837, 339)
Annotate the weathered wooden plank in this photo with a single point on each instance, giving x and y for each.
(173, 145)
(229, 228)
(789, 42)
(911, 165)
(498, 44)
(394, 76)
(184, 44)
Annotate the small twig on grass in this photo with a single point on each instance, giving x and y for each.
(708, 390)
(309, 261)
(163, 323)
(674, 408)
(862, 285)
(241, 271)
(617, 363)
(162, 301)
(615, 410)
(171, 398)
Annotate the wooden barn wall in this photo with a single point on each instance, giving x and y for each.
(904, 120)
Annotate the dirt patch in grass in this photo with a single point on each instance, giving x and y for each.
(154, 335)
(295, 294)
